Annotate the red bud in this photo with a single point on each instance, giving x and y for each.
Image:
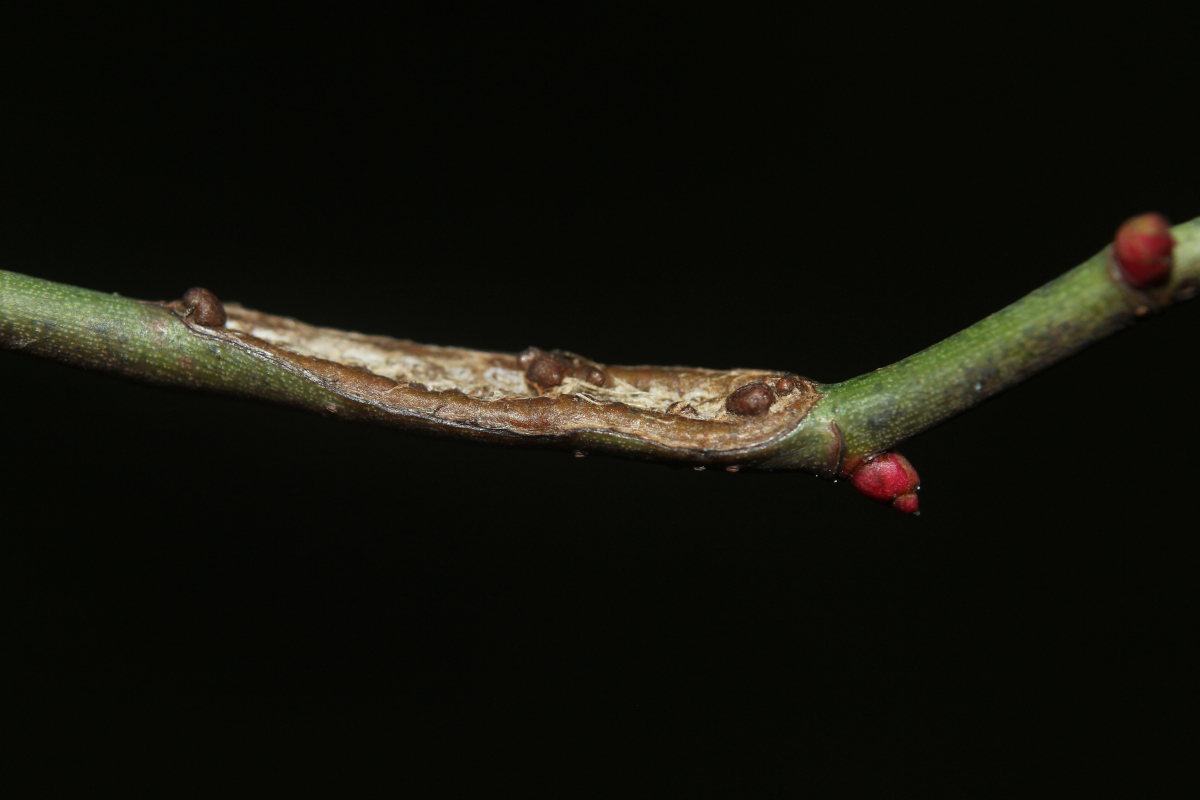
(906, 503)
(1143, 250)
(889, 478)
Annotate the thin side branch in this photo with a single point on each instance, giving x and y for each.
(879, 410)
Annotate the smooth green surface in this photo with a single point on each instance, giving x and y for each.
(138, 340)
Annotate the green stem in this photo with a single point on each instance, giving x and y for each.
(876, 411)
(139, 340)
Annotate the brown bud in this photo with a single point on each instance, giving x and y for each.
(203, 308)
(785, 385)
(549, 369)
(751, 400)
(546, 371)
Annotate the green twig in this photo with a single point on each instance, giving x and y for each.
(877, 411)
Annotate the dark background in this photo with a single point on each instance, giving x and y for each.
(823, 198)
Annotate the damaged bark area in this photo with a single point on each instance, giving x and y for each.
(537, 398)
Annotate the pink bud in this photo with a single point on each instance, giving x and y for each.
(889, 478)
(1143, 250)
(906, 503)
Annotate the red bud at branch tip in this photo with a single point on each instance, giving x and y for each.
(1143, 250)
(889, 478)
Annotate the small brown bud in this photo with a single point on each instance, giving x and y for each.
(203, 308)
(751, 400)
(546, 371)
(549, 369)
(785, 385)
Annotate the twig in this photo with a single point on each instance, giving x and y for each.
(737, 419)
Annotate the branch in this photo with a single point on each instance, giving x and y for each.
(735, 419)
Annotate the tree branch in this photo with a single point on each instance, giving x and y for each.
(736, 419)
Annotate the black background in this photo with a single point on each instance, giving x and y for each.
(824, 198)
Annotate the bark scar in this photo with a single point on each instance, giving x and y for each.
(537, 397)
